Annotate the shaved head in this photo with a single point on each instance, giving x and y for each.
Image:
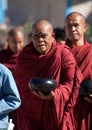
(15, 39)
(42, 35)
(76, 14)
(15, 31)
(41, 23)
(75, 27)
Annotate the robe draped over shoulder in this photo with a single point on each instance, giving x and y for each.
(58, 64)
(83, 109)
(8, 58)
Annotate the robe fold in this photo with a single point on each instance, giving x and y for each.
(58, 64)
(83, 109)
(8, 58)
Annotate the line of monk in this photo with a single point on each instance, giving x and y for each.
(69, 64)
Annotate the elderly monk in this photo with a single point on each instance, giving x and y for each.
(75, 27)
(8, 57)
(43, 57)
(15, 41)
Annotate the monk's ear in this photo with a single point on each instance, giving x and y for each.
(85, 27)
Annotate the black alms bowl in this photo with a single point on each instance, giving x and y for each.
(85, 88)
(43, 85)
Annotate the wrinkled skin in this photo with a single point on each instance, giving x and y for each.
(42, 37)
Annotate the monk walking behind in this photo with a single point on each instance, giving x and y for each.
(75, 27)
(8, 56)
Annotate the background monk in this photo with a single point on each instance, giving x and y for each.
(15, 41)
(75, 27)
(8, 57)
(43, 57)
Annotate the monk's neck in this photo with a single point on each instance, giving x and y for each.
(79, 43)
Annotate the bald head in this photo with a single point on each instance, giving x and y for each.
(15, 39)
(15, 31)
(43, 23)
(75, 14)
(75, 27)
(42, 35)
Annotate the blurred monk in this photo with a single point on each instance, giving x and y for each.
(8, 56)
(75, 27)
(15, 41)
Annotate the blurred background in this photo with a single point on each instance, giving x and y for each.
(24, 12)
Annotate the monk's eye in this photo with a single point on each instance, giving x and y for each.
(76, 25)
(44, 35)
(69, 25)
(36, 36)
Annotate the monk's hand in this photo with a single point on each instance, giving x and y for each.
(88, 98)
(44, 97)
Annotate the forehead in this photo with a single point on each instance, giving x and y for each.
(74, 18)
(16, 35)
(16, 38)
(41, 27)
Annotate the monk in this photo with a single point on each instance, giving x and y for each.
(8, 56)
(43, 57)
(15, 42)
(75, 27)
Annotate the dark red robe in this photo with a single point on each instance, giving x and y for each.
(83, 109)
(8, 58)
(58, 64)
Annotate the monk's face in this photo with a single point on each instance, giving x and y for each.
(75, 27)
(42, 37)
(16, 42)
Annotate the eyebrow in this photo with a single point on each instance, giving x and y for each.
(39, 33)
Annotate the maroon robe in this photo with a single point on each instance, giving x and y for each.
(83, 109)
(8, 58)
(58, 64)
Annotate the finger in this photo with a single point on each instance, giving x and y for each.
(90, 95)
(88, 99)
(35, 93)
(41, 93)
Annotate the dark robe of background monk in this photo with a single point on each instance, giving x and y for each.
(8, 56)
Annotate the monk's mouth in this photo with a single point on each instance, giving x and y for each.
(41, 46)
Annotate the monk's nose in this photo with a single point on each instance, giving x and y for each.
(40, 39)
(73, 28)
